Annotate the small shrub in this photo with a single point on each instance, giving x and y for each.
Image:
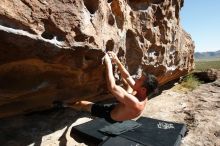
(190, 82)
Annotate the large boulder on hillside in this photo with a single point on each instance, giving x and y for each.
(52, 50)
(210, 75)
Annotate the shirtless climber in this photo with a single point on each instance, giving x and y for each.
(130, 104)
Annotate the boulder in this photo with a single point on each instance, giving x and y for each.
(52, 50)
(210, 75)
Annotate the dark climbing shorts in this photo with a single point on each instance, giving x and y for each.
(103, 111)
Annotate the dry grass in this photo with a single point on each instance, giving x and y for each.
(202, 65)
(189, 83)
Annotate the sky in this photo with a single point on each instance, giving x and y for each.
(201, 19)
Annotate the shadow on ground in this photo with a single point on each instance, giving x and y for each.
(31, 128)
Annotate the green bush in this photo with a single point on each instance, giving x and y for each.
(190, 82)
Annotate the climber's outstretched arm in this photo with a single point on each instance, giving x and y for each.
(124, 73)
(120, 94)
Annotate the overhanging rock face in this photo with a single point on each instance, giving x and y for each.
(52, 50)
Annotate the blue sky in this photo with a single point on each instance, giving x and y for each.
(201, 19)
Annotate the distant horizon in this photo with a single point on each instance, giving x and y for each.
(200, 19)
(206, 51)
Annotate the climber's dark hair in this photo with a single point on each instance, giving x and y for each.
(151, 84)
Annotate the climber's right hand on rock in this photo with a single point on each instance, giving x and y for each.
(113, 57)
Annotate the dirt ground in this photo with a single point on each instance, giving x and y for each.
(199, 109)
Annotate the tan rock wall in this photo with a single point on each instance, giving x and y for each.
(52, 49)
